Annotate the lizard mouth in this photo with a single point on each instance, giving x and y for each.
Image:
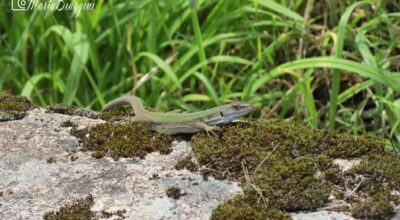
(245, 110)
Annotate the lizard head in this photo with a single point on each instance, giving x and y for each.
(234, 111)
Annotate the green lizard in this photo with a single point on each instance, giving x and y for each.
(175, 122)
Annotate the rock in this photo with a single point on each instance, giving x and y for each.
(321, 215)
(38, 175)
(46, 173)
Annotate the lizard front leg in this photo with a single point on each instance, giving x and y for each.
(203, 126)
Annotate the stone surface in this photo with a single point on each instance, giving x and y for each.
(42, 169)
(321, 215)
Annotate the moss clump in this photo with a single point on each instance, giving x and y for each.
(50, 160)
(242, 208)
(116, 113)
(226, 154)
(122, 140)
(282, 186)
(70, 110)
(119, 214)
(186, 163)
(290, 185)
(381, 176)
(61, 109)
(250, 142)
(290, 167)
(376, 207)
(174, 192)
(78, 209)
(382, 172)
(13, 107)
(67, 123)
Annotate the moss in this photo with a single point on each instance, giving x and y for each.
(290, 167)
(119, 214)
(240, 208)
(281, 187)
(186, 163)
(380, 176)
(174, 192)
(78, 209)
(382, 172)
(13, 107)
(289, 185)
(250, 142)
(61, 109)
(70, 110)
(333, 174)
(117, 112)
(50, 160)
(376, 207)
(67, 123)
(122, 140)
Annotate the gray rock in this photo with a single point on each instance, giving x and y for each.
(321, 215)
(38, 175)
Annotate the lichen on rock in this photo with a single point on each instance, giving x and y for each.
(70, 110)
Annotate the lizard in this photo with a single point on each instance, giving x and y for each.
(182, 122)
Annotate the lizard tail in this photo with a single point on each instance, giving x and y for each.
(133, 101)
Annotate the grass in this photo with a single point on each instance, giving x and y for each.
(332, 64)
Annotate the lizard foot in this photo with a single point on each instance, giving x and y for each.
(212, 129)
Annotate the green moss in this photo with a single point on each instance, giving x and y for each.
(13, 107)
(78, 209)
(241, 208)
(333, 174)
(250, 142)
(61, 109)
(174, 192)
(186, 163)
(376, 207)
(381, 176)
(382, 170)
(289, 185)
(116, 113)
(289, 167)
(122, 140)
(119, 214)
(67, 123)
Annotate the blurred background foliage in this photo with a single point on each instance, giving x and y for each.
(327, 63)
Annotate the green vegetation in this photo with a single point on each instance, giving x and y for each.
(249, 143)
(186, 163)
(78, 209)
(327, 64)
(285, 167)
(122, 140)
